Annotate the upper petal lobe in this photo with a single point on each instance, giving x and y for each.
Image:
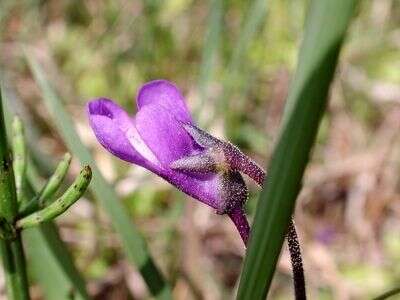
(164, 94)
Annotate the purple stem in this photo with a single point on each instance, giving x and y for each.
(238, 217)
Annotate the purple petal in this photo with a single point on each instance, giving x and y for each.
(163, 93)
(155, 138)
(110, 124)
(204, 188)
(163, 134)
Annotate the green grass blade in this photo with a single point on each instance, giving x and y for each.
(236, 79)
(211, 45)
(325, 29)
(209, 57)
(132, 241)
(51, 265)
(252, 21)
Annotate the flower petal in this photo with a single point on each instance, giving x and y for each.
(163, 134)
(204, 188)
(164, 94)
(110, 124)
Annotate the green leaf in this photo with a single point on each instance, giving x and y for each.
(325, 30)
(132, 241)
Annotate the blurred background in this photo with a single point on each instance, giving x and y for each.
(233, 60)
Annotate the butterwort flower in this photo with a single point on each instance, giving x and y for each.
(163, 138)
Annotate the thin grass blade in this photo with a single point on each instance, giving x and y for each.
(51, 264)
(210, 49)
(326, 26)
(236, 80)
(252, 21)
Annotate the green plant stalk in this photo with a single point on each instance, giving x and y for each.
(45, 196)
(325, 30)
(56, 208)
(19, 156)
(8, 197)
(60, 280)
(11, 244)
(14, 268)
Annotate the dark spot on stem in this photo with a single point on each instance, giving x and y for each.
(6, 163)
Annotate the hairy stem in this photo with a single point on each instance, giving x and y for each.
(297, 263)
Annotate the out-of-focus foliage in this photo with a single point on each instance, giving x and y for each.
(348, 213)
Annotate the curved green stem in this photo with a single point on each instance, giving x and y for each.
(71, 195)
(45, 196)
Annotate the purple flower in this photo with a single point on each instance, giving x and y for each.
(162, 138)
